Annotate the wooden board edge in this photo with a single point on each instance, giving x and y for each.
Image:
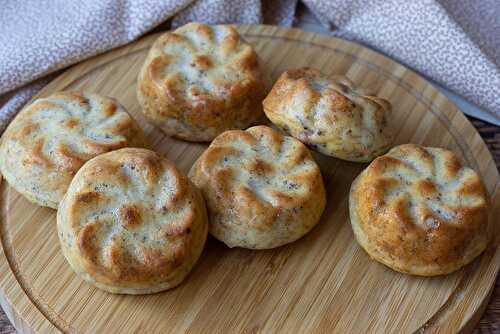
(287, 33)
(489, 263)
(452, 115)
(472, 322)
(97, 61)
(294, 34)
(19, 324)
(9, 284)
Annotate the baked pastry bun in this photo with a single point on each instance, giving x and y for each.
(419, 211)
(200, 80)
(262, 189)
(330, 114)
(131, 223)
(50, 139)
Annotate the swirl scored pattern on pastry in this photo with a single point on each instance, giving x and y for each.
(262, 189)
(49, 140)
(419, 211)
(199, 81)
(330, 114)
(132, 223)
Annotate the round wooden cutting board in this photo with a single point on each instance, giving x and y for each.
(322, 283)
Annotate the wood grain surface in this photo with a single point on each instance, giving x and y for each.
(321, 283)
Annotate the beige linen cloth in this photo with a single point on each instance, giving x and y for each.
(455, 43)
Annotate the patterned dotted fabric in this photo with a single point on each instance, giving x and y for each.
(39, 37)
(455, 43)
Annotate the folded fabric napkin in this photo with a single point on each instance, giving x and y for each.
(455, 43)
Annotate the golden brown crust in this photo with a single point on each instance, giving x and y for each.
(132, 223)
(199, 81)
(49, 140)
(330, 114)
(262, 189)
(419, 211)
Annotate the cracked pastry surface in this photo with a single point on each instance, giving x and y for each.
(330, 114)
(262, 189)
(132, 223)
(419, 211)
(50, 139)
(200, 80)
